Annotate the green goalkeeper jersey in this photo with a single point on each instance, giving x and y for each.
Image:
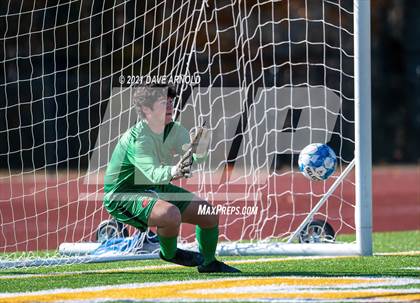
(143, 159)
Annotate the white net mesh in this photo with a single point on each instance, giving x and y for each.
(273, 77)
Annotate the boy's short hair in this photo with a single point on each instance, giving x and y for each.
(147, 95)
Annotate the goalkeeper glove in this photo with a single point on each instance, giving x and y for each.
(183, 168)
(199, 141)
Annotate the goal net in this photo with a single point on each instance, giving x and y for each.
(268, 77)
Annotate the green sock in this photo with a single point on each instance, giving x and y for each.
(207, 241)
(167, 246)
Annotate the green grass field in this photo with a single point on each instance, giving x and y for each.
(385, 263)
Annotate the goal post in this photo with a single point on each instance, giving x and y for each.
(363, 132)
(267, 77)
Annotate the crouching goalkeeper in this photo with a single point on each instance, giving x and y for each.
(138, 191)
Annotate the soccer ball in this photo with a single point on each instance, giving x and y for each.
(317, 161)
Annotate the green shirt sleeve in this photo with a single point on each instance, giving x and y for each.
(144, 158)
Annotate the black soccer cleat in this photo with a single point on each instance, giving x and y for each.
(185, 258)
(217, 266)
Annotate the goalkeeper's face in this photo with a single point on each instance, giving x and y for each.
(162, 110)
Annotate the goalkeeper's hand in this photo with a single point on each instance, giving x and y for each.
(183, 168)
(199, 141)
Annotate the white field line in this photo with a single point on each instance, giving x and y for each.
(378, 292)
(170, 266)
(388, 281)
(296, 289)
(289, 300)
(275, 288)
(402, 253)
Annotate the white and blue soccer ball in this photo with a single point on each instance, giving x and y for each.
(317, 161)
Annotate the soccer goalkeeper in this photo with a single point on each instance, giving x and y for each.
(138, 191)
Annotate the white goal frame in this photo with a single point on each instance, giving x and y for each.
(362, 165)
(363, 131)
